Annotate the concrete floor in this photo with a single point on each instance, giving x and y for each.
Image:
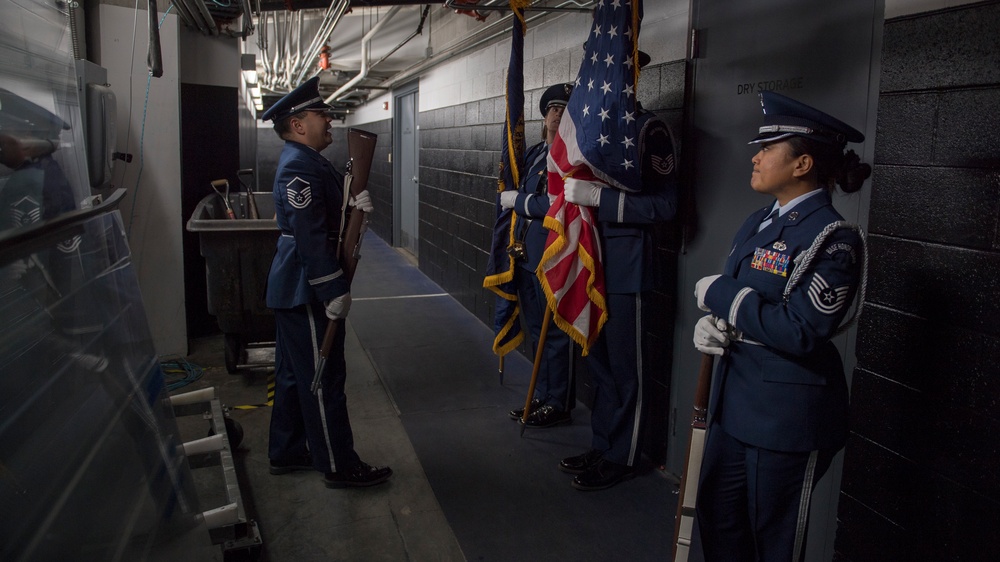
(425, 399)
(300, 520)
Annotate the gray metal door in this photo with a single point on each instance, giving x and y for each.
(408, 176)
(825, 55)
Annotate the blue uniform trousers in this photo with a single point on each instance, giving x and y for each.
(555, 374)
(300, 419)
(615, 363)
(746, 491)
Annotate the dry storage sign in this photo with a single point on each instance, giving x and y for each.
(793, 83)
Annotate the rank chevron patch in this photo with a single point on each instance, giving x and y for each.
(302, 197)
(826, 299)
(662, 165)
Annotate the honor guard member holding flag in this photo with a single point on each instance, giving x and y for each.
(305, 287)
(625, 222)
(530, 201)
(778, 404)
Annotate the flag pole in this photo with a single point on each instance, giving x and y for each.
(500, 369)
(534, 371)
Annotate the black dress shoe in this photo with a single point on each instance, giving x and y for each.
(284, 467)
(519, 413)
(547, 416)
(361, 475)
(605, 475)
(581, 463)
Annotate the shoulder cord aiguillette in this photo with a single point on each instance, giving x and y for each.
(804, 261)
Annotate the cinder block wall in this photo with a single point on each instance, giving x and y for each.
(921, 474)
(459, 158)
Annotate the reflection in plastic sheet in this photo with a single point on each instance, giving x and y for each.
(89, 449)
(42, 169)
(90, 461)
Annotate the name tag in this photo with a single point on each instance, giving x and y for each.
(770, 261)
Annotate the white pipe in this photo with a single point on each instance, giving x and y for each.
(193, 397)
(208, 444)
(330, 20)
(221, 516)
(365, 44)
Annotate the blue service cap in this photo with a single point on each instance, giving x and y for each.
(785, 117)
(305, 97)
(557, 95)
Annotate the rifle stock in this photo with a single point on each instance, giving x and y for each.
(684, 521)
(361, 149)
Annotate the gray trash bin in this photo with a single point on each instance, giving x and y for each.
(237, 256)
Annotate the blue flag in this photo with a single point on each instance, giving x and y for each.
(500, 268)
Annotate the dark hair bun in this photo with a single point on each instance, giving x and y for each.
(852, 173)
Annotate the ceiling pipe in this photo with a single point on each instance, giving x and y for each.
(576, 7)
(281, 5)
(297, 60)
(206, 16)
(248, 27)
(417, 31)
(330, 20)
(186, 17)
(365, 46)
(489, 33)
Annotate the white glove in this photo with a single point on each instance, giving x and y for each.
(508, 198)
(701, 288)
(710, 335)
(363, 202)
(583, 192)
(337, 308)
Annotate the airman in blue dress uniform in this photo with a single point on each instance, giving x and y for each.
(625, 224)
(779, 398)
(554, 387)
(305, 287)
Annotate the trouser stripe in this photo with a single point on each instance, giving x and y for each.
(803, 519)
(314, 330)
(633, 452)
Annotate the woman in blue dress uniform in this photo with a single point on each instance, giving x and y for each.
(305, 287)
(779, 399)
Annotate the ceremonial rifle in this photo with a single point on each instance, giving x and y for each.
(361, 149)
(684, 521)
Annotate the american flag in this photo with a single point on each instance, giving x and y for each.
(597, 143)
(500, 268)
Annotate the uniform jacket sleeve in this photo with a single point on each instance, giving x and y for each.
(625, 220)
(308, 196)
(532, 197)
(749, 293)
